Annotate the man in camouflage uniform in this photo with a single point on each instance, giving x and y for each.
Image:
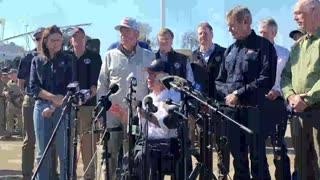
(3, 83)
(14, 102)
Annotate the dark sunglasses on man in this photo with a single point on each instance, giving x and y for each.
(37, 39)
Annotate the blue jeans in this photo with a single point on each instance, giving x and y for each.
(43, 130)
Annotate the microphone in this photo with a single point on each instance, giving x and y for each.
(66, 97)
(175, 82)
(171, 108)
(148, 103)
(135, 125)
(130, 76)
(135, 119)
(112, 89)
(83, 96)
(169, 101)
(139, 105)
(166, 81)
(173, 117)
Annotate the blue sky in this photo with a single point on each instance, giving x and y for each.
(181, 16)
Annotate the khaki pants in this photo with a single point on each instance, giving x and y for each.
(29, 139)
(86, 148)
(306, 143)
(192, 130)
(2, 115)
(12, 112)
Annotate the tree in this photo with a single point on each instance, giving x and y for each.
(189, 40)
(145, 30)
(153, 42)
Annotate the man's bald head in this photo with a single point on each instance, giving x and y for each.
(307, 14)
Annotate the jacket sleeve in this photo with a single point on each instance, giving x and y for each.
(286, 81)
(103, 79)
(190, 76)
(222, 89)
(24, 67)
(96, 70)
(35, 84)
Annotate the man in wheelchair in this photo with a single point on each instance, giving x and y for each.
(156, 151)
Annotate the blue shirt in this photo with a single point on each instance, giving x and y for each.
(142, 44)
(24, 70)
(206, 55)
(51, 75)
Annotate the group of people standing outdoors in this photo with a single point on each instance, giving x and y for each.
(260, 80)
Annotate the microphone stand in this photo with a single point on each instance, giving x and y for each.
(183, 131)
(75, 143)
(133, 83)
(148, 116)
(106, 104)
(68, 141)
(204, 166)
(66, 109)
(189, 92)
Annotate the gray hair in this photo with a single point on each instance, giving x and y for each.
(270, 23)
(239, 12)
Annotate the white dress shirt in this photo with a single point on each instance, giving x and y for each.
(162, 132)
(283, 56)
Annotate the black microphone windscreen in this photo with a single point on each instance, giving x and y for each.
(170, 121)
(147, 100)
(166, 81)
(135, 120)
(139, 104)
(169, 101)
(113, 88)
(176, 80)
(171, 108)
(181, 81)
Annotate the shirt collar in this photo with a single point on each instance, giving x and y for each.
(211, 49)
(249, 41)
(315, 35)
(161, 54)
(125, 52)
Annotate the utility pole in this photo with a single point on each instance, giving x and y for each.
(27, 39)
(2, 22)
(162, 14)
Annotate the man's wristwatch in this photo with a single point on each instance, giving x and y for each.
(52, 108)
(236, 92)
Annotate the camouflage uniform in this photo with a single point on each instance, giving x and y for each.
(13, 109)
(2, 109)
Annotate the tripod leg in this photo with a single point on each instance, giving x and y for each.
(196, 171)
(208, 173)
